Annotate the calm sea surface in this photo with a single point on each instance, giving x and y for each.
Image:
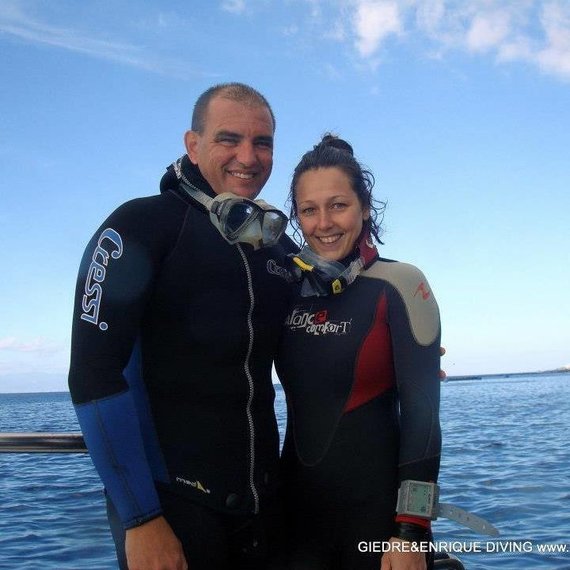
(506, 457)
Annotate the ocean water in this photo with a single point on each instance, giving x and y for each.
(506, 457)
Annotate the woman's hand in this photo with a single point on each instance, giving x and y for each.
(400, 557)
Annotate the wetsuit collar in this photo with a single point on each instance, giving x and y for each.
(171, 179)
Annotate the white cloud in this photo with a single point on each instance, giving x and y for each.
(37, 345)
(336, 32)
(554, 57)
(291, 30)
(488, 31)
(234, 6)
(429, 15)
(16, 23)
(532, 31)
(374, 21)
(38, 355)
(170, 21)
(315, 6)
(332, 72)
(517, 49)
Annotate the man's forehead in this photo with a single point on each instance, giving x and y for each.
(238, 117)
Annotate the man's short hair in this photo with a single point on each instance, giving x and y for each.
(238, 92)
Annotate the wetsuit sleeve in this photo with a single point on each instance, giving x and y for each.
(415, 333)
(115, 282)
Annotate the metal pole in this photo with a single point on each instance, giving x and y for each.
(38, 442)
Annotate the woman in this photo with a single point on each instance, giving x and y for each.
(360, 363)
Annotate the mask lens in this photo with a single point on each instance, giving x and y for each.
(273, 226)
(238, 215)
(241, 220)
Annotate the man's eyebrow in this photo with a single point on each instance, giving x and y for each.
(264, 139)
(227, 134)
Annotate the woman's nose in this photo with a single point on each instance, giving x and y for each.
(325, 220)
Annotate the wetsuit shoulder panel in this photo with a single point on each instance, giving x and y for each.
(416, 294)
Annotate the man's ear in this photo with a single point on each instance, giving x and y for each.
(191, 139)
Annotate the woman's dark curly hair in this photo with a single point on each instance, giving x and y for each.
(334, 152)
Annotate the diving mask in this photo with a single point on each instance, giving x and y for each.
(239, 219)
(322, 277)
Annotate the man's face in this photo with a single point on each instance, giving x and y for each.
(235, 150)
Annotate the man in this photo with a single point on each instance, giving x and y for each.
(174, 332)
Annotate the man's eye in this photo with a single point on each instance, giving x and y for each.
(227, 140)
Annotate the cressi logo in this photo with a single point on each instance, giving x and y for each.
(109, 245)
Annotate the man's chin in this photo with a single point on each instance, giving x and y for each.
(245, 191)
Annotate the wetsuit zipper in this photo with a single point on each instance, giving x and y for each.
(250, 382)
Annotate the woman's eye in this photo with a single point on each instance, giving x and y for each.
(338, 205)
(307, 211)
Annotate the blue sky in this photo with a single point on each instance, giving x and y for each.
(461, 110)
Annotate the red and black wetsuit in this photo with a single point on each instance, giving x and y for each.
(361, 373)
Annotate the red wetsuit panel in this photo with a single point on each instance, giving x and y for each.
(374, 373)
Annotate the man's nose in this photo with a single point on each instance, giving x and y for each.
(246, 154)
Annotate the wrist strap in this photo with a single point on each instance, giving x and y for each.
(411, 532)
(424, 523)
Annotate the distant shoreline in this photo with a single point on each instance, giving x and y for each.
(495, 375)
(506, 375)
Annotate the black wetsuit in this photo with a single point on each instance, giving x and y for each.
(360, 370)
(174, 333)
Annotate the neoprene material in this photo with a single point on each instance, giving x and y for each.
(174, 333)
(361, 372)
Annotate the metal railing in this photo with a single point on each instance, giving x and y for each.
(38, 442)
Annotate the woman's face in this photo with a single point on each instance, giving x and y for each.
(329, 212)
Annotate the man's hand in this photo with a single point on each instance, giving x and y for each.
(400, 557)
(154, 546)
(442, 374)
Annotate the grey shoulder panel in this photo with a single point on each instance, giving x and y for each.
(416, 294)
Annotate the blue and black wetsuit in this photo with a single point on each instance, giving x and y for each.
(361, 373)
(174, 334)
